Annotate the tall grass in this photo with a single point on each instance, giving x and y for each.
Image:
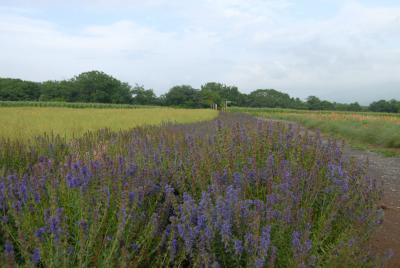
(374, 130)
(232, 192)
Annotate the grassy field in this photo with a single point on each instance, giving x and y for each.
(376, 131)
(27, 122)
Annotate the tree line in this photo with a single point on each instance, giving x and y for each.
(99, 87)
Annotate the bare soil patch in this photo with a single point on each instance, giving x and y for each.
(387, 237)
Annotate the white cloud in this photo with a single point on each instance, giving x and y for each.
(253, 44)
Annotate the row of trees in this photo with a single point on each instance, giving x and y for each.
(99, 87)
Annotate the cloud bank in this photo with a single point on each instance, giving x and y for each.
(346, 53)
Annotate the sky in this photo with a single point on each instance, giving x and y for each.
(339, 50)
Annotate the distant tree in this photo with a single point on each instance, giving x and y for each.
(97, 86)
(326, 105)
(184, 95)
(355, 107)
(18, 90)
(56, 91)
(209, 97)
(213, 92)
(143, 96)
(314, 103)
(270, 98)
(391, 106)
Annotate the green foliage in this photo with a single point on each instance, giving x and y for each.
(377, 131)
(98, 87)
(272, 98)
(144, 96)
(184, 96)
(391, 106)
(16, 89)
(213, 92)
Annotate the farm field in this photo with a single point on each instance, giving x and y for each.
(375, 131)
(232, 191)
(22, 123)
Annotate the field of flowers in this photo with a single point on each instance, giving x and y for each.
(376, 131)
(231, 192)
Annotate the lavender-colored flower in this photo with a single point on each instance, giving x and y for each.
(226, 231)
(134, 247)
(131, 197)
(265, 240)
(296, 242)
(40, 232)
(308, 245)
(173, 249)
(4, 219)
(35, 256)
(168, 189)
(83, 225)
(237, 179)
(17, 205)
(249, 242)
(8, 248)
(54, 223)
(238, 245)
(259, 262)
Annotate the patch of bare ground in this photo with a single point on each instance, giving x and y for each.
(387, 237)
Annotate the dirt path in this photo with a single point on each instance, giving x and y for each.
(387, 236)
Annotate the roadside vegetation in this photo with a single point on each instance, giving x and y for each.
(375, 131)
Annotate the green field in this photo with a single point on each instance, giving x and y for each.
(27, 122)
(375, 131)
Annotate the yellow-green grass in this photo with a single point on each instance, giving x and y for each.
(376, 131)
(27, 122)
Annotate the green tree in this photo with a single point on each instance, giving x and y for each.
(314, 103)
(270, 98)
(213, 92)
(143, 96)
(97, 86)
(391, 106)
(18, 90)
(183, 95)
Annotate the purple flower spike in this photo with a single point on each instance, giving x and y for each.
(35, 256)
(8, 248)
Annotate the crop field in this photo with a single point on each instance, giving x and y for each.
(232, 191)
(28, 122)
(376, 131)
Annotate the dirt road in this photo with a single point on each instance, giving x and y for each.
(387, 236)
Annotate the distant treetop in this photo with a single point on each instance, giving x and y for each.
(99, 87)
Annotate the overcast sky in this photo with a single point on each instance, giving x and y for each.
(336, 49)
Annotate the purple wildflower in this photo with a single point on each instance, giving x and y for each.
(40, 232)
(35, 256)
(8, 248)
(265, 240)
(259, 262)
(238, 245)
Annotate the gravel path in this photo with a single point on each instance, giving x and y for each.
(387, 236)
